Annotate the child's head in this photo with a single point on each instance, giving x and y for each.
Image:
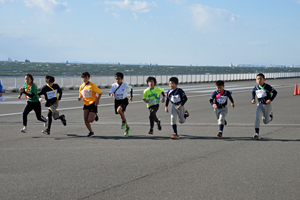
(49, 80)
(119, 77)
(220, 85)
(28, 79)
(151, 81)
(260, 79)
(173, 82)
(85, 77)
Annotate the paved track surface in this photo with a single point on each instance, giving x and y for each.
(67, 165)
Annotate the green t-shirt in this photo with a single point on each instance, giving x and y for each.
(149, 95)
(32, 90)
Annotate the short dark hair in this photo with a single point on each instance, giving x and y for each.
(151, 78)
(261, 75)
(30, 76)
(174, 80)
(49, 79)
(119, 74)
(85, 74)
(220, 83)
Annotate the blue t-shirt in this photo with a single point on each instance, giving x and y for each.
(222, 100)
(1, 90)
(263, 94)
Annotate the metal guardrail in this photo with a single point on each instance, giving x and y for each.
(73, 82)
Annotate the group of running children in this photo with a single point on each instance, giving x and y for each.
(91, 94)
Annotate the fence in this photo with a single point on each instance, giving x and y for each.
(67, 82)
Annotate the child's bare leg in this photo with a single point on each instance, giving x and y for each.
(121, 113)
(86, 117)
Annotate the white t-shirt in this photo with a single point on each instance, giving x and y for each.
(122, 92)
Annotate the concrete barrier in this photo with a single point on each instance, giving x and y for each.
(73, 82)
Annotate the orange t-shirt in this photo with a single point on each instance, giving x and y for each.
(88, 93)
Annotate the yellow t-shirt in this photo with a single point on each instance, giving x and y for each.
(89, 93)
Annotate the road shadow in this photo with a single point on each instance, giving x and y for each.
(156, 137)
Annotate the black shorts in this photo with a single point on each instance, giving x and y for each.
(91, 108)
(123, 103)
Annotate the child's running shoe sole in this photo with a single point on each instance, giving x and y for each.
(46, 132)
(219, 135)
(127, 132)
(175, 137)
(159, 126)
(187, 113)
(91, 134)
(256, 137)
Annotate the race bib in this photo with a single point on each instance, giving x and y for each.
(119, 96)
(153, 102)
(175, 98)
(261, 93)
(87, 93)
(51, 94)
(222, 99)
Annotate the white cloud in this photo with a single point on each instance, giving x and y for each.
(48, 6)
(136, 6)
(298, 2)
(177, 1)
(209, 18)
(3, 1)
(135, 16)
(116, 15)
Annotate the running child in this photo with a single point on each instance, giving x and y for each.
(151, 96)
(178, 98)
(53, 94)
(30, 90)
(87, 92)
(219, 101)
(120, 91)
(264, 97)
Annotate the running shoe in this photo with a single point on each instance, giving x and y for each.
(96, 118)
(46, 131)
(64, 121)
(46, 123)
(175, 136)
(256, 136)
(159, 126)
(124, 125)
(24, 129)
(127, 131)
(271, 116)
(187, 114)
(219, 135)
(151, 131)
(91, 134)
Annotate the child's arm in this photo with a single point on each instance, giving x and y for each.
(98, 99)
(167, 103)
(253, 97)
(211, 100)
(131, 95)
(164, 97)
(232, 102)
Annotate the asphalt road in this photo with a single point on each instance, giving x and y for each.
(67, 165)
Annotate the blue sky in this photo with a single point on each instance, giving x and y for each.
(167, 32)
